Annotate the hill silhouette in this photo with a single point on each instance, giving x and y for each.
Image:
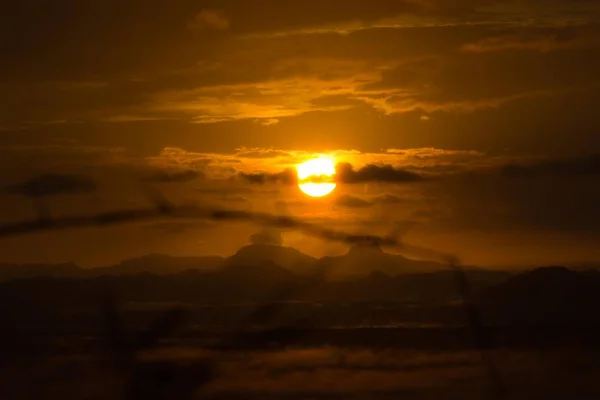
(22, 271)
(551, 296)
(232, 283)
(286, 257)
(159, 264)
(274, 273)
(544, 295)
(360, 261)
(363, 259)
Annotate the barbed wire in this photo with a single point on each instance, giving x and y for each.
(164, 209)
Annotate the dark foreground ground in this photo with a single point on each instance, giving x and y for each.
(531, 336)
(397, 363)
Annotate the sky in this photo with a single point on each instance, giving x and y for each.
(473, 124)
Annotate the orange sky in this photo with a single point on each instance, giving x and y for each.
(473, 121)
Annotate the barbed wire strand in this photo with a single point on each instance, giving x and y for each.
(164, 209)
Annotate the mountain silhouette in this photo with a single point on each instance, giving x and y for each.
(233, 284)
(158, 264)
(22, 271)
(544, 295)
(266, 273)
(359, 262)
(363, 259)
(286, 257)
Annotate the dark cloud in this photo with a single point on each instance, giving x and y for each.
(234, 199)
(165, 210)
(70, 31)
(345, 173)
(173, 177)
(552, 195)
(258, 177)
(226, 190)
(582, 167)
(287, 176)
(176, 228)
(375, 173)
(388, 198)
(539, 40)
(53, 184)
(347, 200)
(267, 237)
(284, 205)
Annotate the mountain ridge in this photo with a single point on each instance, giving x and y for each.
(359, 261)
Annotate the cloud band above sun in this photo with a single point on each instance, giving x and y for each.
(344, 173)
(316, 177)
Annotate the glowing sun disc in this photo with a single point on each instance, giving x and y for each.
(321, 170)
(317, 189)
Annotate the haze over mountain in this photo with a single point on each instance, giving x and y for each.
(287, 257)
(267, 271)
(159, 264)
(17, 271)
(358, 262)
(233, 283)
(549, 295)
(364, 259)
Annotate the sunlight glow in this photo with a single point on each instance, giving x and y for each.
(316, 176)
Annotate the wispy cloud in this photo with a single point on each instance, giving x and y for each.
(542, 42)
(401, 163)
(172, 176)
(209, 19)
(53, 184)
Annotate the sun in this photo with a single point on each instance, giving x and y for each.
(316, 176)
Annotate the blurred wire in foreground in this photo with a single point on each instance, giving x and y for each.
(163, 209)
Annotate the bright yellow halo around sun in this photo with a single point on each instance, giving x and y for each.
(316, 177)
